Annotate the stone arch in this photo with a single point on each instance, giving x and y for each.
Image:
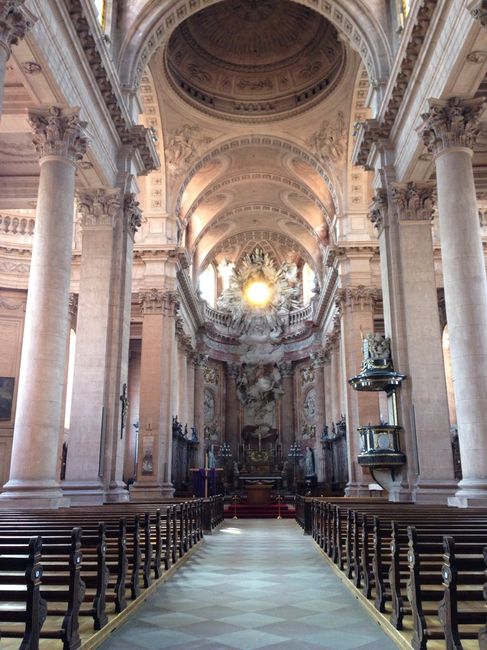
(285, 145)
(364, 35)
(228, 214)
(254, 237)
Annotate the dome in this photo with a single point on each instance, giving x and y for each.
(254, 58)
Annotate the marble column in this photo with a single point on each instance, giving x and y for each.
(125, 230)
(423, 395)
(189, 394)
(156, 396)
(232, 407)
(99, 211)
(288, 432)
(449, 131)
(318, 364)
(357, 309)
(200, 364)
(129, 467)
(60, 143)
(15, 20)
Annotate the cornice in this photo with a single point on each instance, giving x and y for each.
(372, 131)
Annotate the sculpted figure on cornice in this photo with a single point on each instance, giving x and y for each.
(58, 132)
(328, 142)
(14, 23)
(183, 148)
(132, 213)
(451, 122)
(479, 12)
(378, 208)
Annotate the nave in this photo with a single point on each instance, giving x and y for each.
(253, 584)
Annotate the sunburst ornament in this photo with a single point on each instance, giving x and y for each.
(259, 293)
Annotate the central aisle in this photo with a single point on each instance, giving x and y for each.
(253, 584)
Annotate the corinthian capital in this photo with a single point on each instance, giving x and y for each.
(413, 201)
(132, 213)
(98, 207)
(451, 122)
(14, 22)
(378, 209)
(157, 301)
(357, 297)
(58, 132)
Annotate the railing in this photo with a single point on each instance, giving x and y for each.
(16, 225)
(293, 318)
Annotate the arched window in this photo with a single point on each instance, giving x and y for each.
(69, 387)
(452, 411)
(207, 285)
(308, 283)
(100, 7)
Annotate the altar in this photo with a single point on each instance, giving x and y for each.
(258, 493)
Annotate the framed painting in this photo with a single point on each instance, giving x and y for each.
(6, 397)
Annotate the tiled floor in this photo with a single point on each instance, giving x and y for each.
(253, 584)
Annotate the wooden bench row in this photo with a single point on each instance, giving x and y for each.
(425, 567)
(53, 572)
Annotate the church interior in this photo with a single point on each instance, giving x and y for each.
(243, 297)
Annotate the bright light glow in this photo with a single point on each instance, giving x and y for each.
(308, 283)
(257, 293)
(231, 531)
(207, 282)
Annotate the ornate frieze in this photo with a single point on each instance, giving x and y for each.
(58, 132)
(378, 209)
(157, 301)
(413, 201)
(98, 207)
(452, 122)
(358, 297)
(132, 213)
(14, 23)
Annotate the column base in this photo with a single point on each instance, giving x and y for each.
(117, 493)
(400, 494)
(32, 494)
(152, 493)
(357, 490)
(84, 493)
(471, 493)
(434, 491)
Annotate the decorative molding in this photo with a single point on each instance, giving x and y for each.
(31, 67)
(158, 301)
(16, 225)
(286, 368)
(413, 201)
(452, 122)
(12, 305)
(357, 297)
(99, 207)
(318, 359)
(58, 132)
(201, 360)
(479, 12)
(15, 21)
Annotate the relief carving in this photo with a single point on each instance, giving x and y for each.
(183, 147)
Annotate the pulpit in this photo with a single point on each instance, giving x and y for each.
(258, 493)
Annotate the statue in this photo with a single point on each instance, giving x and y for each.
(211, 458)
(194, 435)
(309, 462)
(186, 431)
(236, 471)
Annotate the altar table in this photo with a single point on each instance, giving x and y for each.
(258, 493)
